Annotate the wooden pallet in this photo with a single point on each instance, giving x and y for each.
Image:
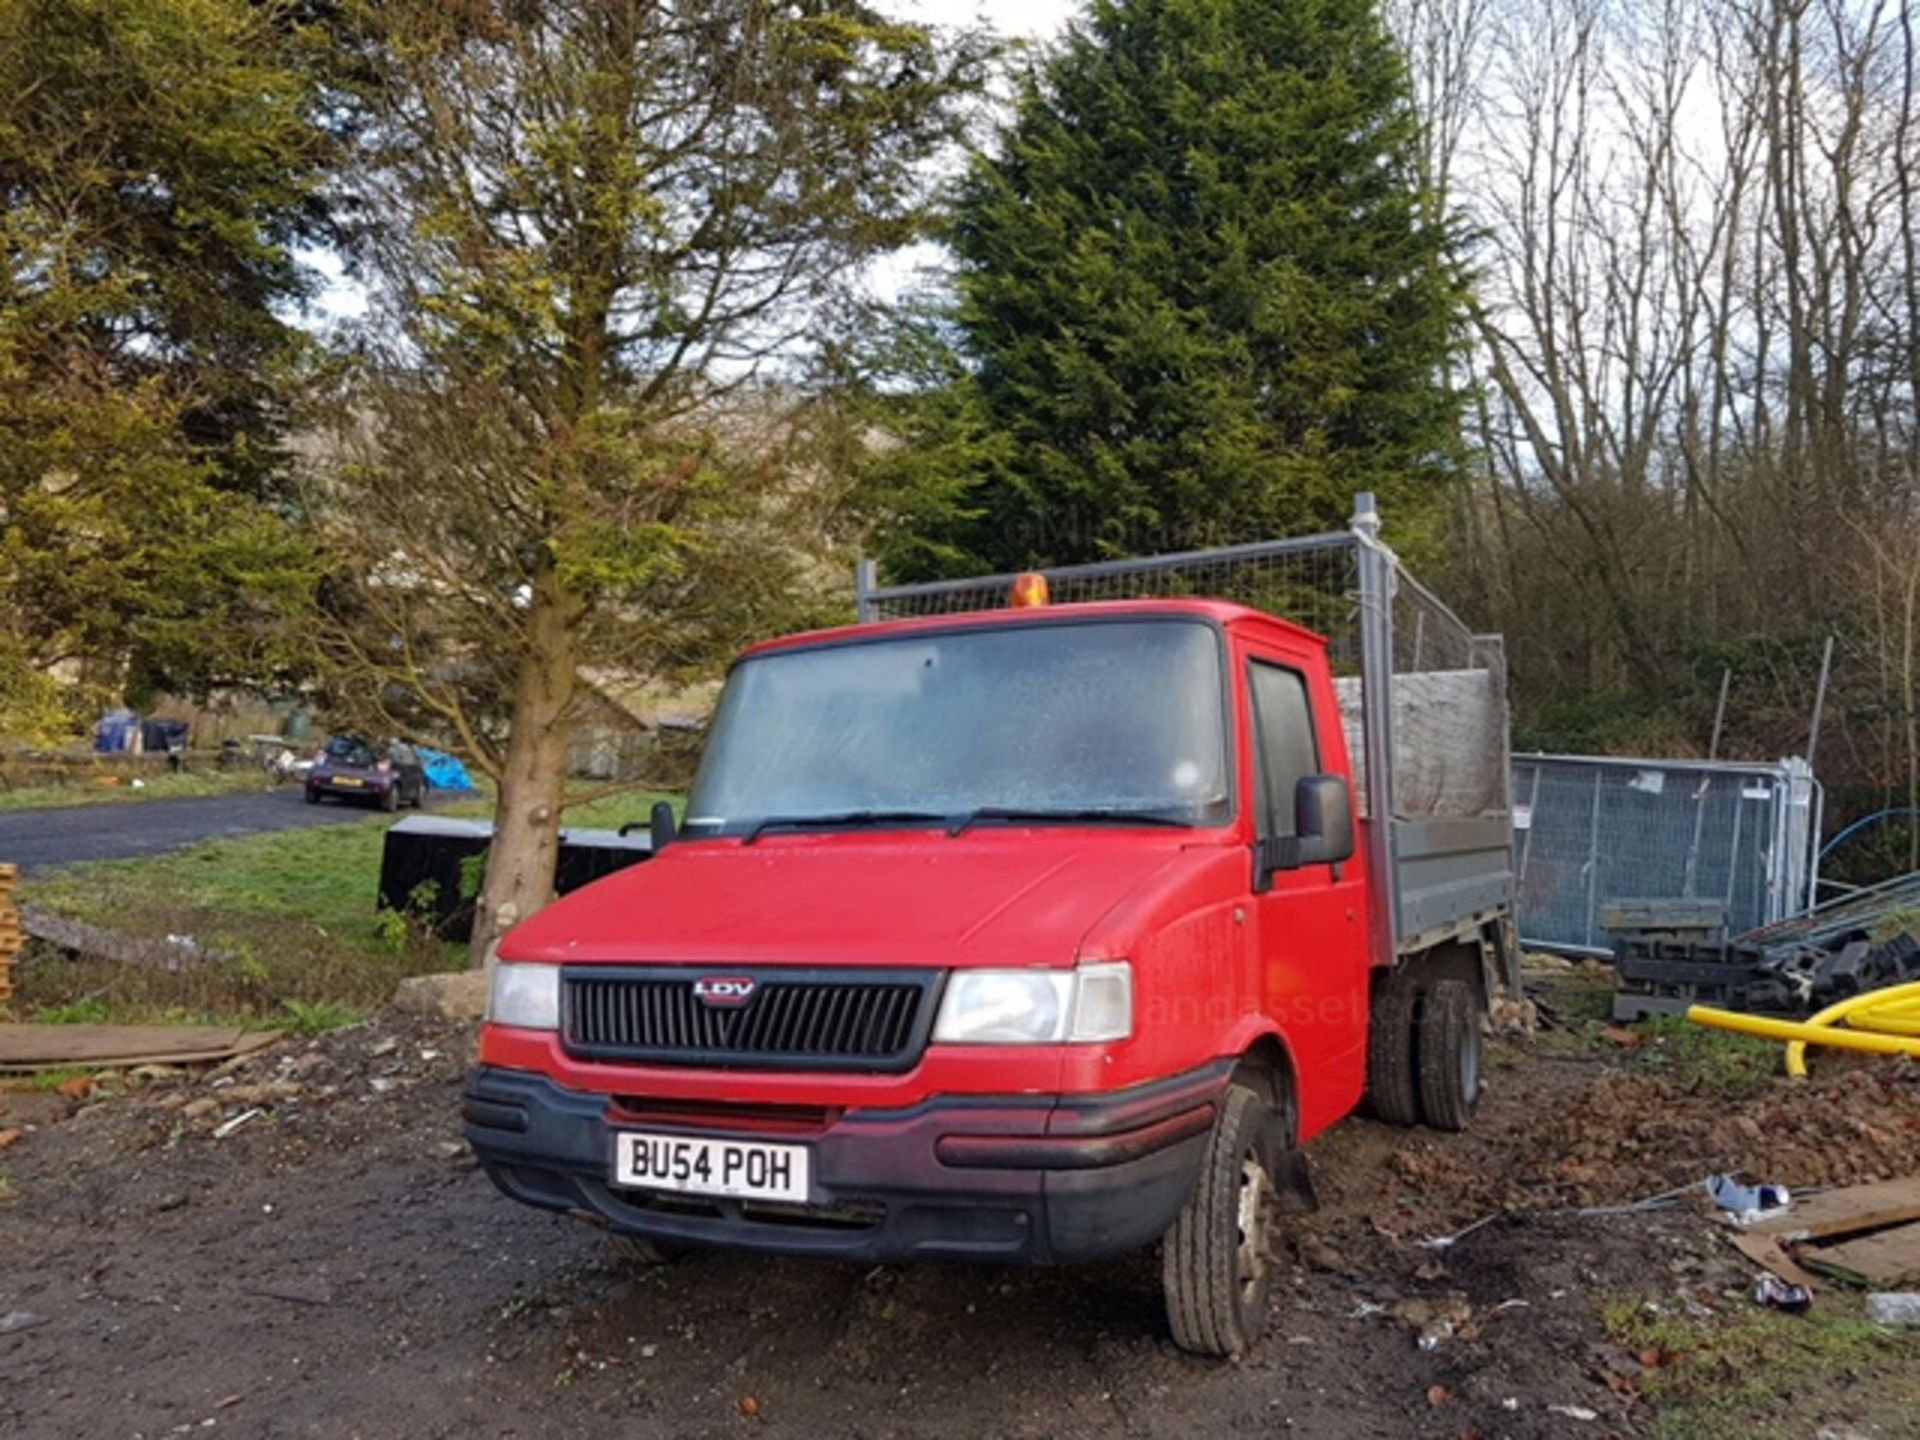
(10, 934)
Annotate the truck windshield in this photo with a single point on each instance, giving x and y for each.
(1088, 717)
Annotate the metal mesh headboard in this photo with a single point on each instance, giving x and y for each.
(1449, 731)
(1311, 581)
(1449, 709)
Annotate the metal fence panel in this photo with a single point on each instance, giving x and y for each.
(1592, 830)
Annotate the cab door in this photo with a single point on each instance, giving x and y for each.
(1310, 922)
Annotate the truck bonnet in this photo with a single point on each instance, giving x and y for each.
(999, 896)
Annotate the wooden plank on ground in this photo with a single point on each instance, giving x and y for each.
(1846, 1212)
(10, 938)
(99, 943)
(1887, 1259)
(42, 1047)
(1768, 1253)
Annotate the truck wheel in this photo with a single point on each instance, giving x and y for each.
(1216, 1262)
(1449, 1055)
(1392, 1079)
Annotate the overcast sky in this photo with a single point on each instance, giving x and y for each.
(1009, 17)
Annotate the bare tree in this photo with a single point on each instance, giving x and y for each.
(1698, 338)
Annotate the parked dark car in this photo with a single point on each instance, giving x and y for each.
(389, 775)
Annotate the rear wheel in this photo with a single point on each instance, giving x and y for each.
(1392, 1077)
(1449, 1055)
(1217, 1260)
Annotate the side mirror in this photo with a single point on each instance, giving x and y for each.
(661, 826)
(1322, 820)
(1322, 826)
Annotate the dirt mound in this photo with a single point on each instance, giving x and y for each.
(1849, 1122)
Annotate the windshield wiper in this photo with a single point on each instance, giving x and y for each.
(842, 817)
(1107, 816)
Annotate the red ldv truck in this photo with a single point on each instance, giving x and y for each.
(1033, 931)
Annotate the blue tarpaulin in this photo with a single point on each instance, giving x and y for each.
(116, 732)
(444, 771)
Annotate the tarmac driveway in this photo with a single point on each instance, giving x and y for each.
(39, 839)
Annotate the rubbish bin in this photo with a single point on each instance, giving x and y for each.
(426, 856)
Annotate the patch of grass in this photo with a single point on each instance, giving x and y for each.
(165, 785)
(86, 1010)
(1576, 997)
(1696, 1056)
(588, 807)
(610, 811)
(1576, 1006)
(1760, 1373)
(326, 876)
(1700, 1056)
(286, 926)
(316, 1017)
(49, 1080)
(278, 918)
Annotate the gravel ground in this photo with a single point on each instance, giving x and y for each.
(334, 1265)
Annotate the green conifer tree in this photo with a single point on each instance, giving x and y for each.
(1198, 301)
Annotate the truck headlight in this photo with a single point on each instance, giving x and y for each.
(526, 997)
(1037, 1007)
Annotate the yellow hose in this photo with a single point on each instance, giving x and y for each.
(1819, 1030)
(1887, 1022)
(1892, 1011)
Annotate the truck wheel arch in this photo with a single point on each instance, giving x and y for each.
(1474, 960)
(1266, 1067)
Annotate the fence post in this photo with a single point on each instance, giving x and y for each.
(865, 582)
(1593, 855)
(1375, 566)
(1819, 704)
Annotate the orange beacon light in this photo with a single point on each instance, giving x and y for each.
(1029, 591)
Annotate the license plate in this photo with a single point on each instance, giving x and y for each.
(737, 1169)
(348, 782)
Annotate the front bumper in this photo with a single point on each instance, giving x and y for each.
(1019, 1178)
(328, 785)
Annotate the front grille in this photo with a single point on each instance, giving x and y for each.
(794, 1019)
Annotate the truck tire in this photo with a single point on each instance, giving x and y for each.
(1449, 1055)
(1216, 1263)
(1392, 1078)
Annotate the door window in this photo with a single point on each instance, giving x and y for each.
(1284, 747)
